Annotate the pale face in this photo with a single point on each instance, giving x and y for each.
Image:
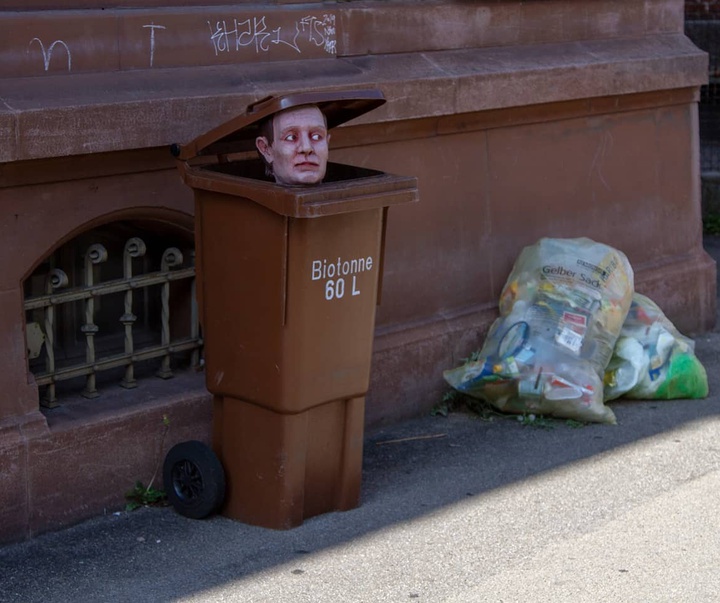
(299, 151)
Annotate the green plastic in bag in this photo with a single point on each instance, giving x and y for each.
(652, 360)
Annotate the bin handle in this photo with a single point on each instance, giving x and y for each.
(286, 262)
(257, 105)
(182, 167)
(381, 268)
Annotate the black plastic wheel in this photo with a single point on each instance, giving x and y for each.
(194, 479)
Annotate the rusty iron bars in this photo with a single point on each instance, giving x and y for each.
(57, 293)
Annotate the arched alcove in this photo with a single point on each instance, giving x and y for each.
(112, 306)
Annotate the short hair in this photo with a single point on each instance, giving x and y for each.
(266, 128)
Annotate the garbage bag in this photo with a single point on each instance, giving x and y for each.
(652, 359)
(561, 312)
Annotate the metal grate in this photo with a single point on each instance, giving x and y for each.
(705, 33)
(134, 288)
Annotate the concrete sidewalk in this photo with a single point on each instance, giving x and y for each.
(454, 509)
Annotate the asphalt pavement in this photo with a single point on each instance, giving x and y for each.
(454, 509)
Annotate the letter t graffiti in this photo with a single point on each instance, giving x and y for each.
(152, 28)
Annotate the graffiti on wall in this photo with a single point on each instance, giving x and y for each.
(257, 35)
(47, 53)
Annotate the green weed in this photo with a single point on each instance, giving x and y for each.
(711, 223)
(454, 401)
(142, 496)
(575, 424)
(537, 421)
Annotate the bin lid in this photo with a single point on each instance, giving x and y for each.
(239, 134)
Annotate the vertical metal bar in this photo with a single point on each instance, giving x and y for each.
(55, 280)
(146, 298)
(68, 313)
(134, 248)
(171, 257)
(96, 254)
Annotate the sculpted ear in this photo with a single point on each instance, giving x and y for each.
(265, 149)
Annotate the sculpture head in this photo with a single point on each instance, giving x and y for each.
(294, 145)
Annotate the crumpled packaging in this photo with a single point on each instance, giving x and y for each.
(561, 313)
(652, 360)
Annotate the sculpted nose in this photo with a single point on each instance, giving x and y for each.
(305, 144)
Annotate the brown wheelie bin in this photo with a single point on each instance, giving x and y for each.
(288, 285)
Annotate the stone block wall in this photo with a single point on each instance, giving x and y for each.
(521, 119)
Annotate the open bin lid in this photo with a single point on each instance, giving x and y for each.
(238, 134)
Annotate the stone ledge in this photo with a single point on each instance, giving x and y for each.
(389, 27)
(89, 113)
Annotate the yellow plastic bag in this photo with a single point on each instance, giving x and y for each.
(561, 312)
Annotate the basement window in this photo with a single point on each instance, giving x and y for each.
(111, 308)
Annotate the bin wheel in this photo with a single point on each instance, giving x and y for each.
(194, 479)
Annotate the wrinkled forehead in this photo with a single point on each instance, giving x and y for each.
(306, 116)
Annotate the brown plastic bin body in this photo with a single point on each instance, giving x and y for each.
(289, 279)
